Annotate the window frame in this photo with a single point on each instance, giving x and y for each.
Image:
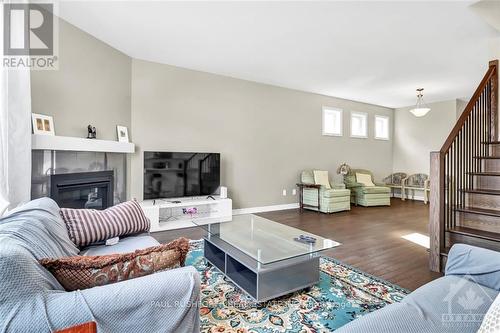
(365, 116)
(388, 127)
(324, 110)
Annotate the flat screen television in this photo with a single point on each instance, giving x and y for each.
(176, 174)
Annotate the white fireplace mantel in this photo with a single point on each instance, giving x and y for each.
(67, 143)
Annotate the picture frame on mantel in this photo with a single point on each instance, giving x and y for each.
(122, 133)
(42, 124)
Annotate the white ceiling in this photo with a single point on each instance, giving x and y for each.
(489, 10)
(375, 52)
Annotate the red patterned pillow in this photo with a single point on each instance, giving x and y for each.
(82, 272)
(88, 226)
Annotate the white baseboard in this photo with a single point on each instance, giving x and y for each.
(263, 209)
(272, 208)
(409, 197)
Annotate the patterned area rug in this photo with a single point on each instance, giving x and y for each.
(342, 295)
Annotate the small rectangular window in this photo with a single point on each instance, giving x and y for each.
(382, 127)
(359, 125)
(332, 121)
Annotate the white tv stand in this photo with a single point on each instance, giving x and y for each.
(165, 214)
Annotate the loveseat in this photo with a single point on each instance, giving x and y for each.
(32, 300)
(456, 302)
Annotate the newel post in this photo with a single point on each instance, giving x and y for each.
(436, 216)
(494, 102)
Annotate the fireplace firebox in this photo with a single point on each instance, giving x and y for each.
(91, 190)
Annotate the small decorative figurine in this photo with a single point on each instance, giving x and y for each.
(343, 169)
(92, 132)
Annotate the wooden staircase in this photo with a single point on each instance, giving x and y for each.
(465, 178)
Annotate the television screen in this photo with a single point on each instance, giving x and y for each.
(174, 175)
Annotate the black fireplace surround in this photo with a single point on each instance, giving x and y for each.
(92, 190)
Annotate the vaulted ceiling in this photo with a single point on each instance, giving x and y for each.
(375, 52)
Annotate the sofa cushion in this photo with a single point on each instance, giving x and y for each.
(434, 307)
(477, 264)
(375, 189)
(491, 321)
(29, 233)
(335, 193)
(40, 228)
(321, 178)
(82, 272)
(125, 245)
(89, 226)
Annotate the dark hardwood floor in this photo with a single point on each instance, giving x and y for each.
(370, 236)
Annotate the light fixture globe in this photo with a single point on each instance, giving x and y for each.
(419, 112)
(420, 109)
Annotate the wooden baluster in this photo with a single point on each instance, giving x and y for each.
(494, 101)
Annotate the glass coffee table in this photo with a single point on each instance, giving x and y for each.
(261, 256)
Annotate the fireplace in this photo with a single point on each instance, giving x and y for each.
(92, 190)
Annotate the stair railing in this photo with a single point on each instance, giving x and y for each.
(453, 166)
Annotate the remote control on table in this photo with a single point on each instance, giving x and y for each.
(305, 239)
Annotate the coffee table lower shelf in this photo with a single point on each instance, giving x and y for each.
(261, 282)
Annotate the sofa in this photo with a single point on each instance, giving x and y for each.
(376, 195)
(456, 302)
(335, 199)
(32, 300)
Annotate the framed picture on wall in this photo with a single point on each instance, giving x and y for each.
(122, 133)
(42, 124)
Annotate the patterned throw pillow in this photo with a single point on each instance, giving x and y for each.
(491, 322)
(82, 272)
(88, 226)
(89, 327)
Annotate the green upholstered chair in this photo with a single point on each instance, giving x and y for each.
(378, 195)
(331, 200)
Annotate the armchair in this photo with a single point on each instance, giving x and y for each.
(419, 182)
(377, 195)
(319, 197)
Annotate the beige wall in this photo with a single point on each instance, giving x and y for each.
(461, 104)
(415, 138)
(92, 86)
(266, 134)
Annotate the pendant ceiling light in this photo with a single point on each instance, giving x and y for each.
(420, 108)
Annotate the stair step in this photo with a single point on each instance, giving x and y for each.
(481, 191)
(487, 157)
(491, 142)
(493, 174)
(492, 236)
(479, 211)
